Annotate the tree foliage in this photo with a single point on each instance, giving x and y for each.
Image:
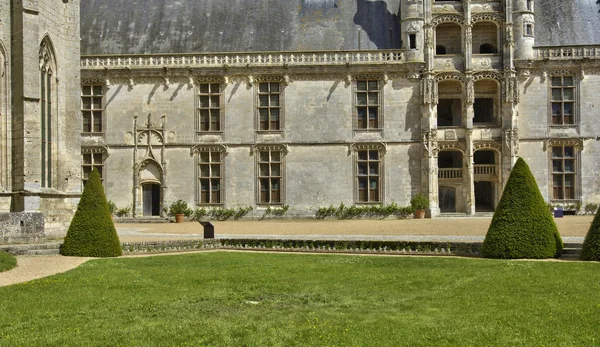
(92, 232)
(522, 226)
(591, 244)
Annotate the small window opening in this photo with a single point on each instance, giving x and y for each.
(440, 49)
(412, 38)
(487, 48)
(528, 30)
(484, 110)
(449, 112)
(530, 5)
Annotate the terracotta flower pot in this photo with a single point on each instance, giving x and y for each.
(179, 217)
(419, 214)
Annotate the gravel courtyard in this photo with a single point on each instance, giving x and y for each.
(569, 226)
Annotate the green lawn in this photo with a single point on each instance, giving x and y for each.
(254, 299)
(7, 261)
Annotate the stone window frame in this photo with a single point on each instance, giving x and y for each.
(261, 164)
(528, 29)
(95, 153)
(379, 103)
(269, 80)
(577, 146)
(575, 101)
(48, 111)
(221, 151)
(93, 84)
(211, 81)
(356, 150)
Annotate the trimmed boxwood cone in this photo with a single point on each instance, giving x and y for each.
(591, 244)
(92, 232)
(522, 226)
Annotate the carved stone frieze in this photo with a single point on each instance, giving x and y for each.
(447, 18)
(478, 145)
(487, 17)
(449, 76)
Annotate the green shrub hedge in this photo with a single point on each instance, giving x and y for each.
(92, 232)
(7, 261)
(522, 226)
(591, 244)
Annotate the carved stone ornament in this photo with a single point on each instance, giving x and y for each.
(479, 145)
(469, 34)
(449, 76)
(95, 149)
(487, 17)
(413, 28)
(212, 148)
(361, 146)
(470, 88)
(511, 142)
(429, 90)
(283, 148)
(46, 60)
(447, 18)
(575, 142)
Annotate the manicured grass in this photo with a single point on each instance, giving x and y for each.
(7, 261)
(254, 299)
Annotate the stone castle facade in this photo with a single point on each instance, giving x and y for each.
(360, 104)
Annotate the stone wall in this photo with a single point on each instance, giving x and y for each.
(21, 227)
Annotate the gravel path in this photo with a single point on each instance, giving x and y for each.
(31, 267)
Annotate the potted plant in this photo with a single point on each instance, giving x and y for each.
(179, 209)
(419, 203)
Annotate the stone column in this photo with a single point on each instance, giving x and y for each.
(470, 174)
(469, 98)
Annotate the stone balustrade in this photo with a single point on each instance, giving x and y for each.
(484, 169)
(244, 59)
(450, 173)
(574, 52)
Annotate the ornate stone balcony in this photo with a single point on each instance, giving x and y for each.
(450, 173)
(574, 52)
(336, 58)
(485, 169)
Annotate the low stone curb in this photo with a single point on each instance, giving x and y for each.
(325, 246)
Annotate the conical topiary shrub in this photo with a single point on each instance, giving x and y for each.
(522, 226)
(92, 232)
(591, 244)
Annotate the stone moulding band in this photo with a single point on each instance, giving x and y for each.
(244, 59)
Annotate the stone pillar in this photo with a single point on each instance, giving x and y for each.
(470, 174)
(469, 99)
(430, 171)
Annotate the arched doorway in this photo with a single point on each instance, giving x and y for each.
(151, 199)
(151, 184)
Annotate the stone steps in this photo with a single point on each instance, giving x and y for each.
(143, 220)
(571, 251)
(32, 249)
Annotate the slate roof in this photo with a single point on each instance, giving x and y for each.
(187, 26)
